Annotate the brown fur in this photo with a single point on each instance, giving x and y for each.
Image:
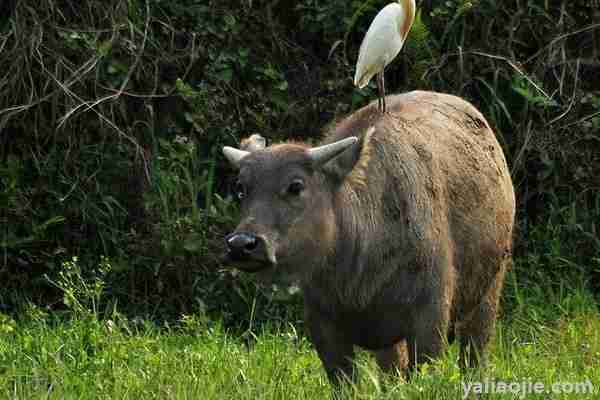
(401, 241)
(358, 175)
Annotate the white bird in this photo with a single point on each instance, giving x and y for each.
(382, 43)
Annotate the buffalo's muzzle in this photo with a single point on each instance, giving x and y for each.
(249, 251)
(241, 244)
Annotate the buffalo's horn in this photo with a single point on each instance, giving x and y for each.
(234, 155)
(320, 155)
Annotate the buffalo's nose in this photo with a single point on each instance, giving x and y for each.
(241, 244)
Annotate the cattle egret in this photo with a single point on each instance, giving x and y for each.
(382, 43)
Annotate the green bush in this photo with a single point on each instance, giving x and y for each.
(112, 115)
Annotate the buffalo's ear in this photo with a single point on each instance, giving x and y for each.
(352, 164)
(253, 143)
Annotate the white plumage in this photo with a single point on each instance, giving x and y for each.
(382, 43)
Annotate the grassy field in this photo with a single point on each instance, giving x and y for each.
(545, 336)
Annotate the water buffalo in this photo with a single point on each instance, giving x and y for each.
(398, 228)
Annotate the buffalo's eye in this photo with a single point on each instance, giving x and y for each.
(240, 190)
(296, 187)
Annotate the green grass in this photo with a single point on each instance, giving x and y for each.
(544, 336)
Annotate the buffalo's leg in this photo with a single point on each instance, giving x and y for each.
(476, 332)
(394, 358)
(424, 349)
(429, 338)
(335, 351)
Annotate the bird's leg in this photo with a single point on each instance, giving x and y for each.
(383, 88)
(379, 104)
(380, 101)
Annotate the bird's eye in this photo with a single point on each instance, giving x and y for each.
(240, 190)
(296, 187)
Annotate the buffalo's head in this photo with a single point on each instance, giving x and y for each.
(287, 194)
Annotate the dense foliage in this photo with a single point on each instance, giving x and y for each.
(112, 114)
